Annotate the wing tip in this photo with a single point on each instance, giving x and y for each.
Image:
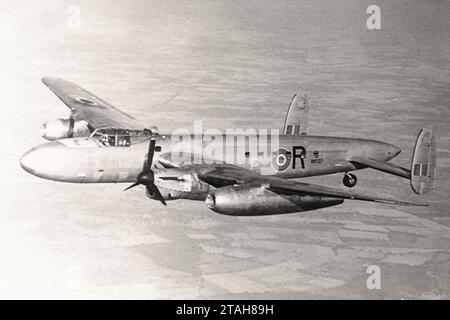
(412, 204)
(48, 81)
(409, 204)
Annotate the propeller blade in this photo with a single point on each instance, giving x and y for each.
(71, 124)
(147, 176)
(151, 151)
(172, 178)
(158, 195)
(132, 186)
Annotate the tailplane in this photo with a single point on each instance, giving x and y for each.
(423, 162)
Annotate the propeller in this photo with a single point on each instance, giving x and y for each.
(147, 176)
(71, 123)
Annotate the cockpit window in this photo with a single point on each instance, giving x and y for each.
(104, 140)
(123, 141)
(111, 140)
(110, 137)
(115, 140)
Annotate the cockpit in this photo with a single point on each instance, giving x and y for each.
(117, 140)
(110, 137)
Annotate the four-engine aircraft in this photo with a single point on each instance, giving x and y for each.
(101, 144)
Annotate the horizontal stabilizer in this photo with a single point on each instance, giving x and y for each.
(383, 166)
(423, 162)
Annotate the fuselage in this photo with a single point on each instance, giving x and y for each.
(86, 160)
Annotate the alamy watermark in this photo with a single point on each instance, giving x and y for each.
(73, 21)
(257, 148)
(374, 280)
(373, 22)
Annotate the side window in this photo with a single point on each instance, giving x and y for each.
(104, 140)
(115, 140)
(123, 141)
(112, 140)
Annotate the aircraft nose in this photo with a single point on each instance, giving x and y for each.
(40, 160)
(29, 160)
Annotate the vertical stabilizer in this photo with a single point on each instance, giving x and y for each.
(423, 162)
(296, 121)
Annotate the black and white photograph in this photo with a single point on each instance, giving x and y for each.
(225, 150)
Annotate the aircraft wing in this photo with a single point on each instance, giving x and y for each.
(86, 106)
(383, 166)
(223, 175)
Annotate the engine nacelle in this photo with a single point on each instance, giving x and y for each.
(59, 129)
(256, 200)
(179, 184)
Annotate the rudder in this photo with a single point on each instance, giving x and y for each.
(296, 121)
(423, 162)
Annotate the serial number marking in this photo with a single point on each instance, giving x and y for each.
(317, 160)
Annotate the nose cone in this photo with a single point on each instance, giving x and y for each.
(29, 160)
(146, 177)
(40, 160)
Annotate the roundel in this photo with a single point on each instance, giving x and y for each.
(86, 101)
(281, 159)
